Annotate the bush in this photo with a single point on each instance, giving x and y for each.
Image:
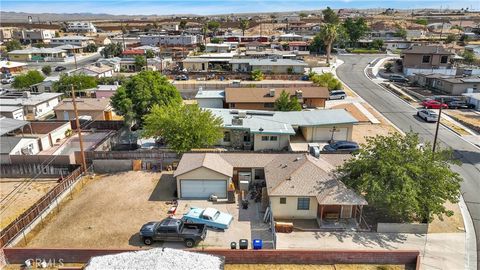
(326, 80)
(47, 70)
(24, 81)
(350, 50)
(257, 75)
(388, 67)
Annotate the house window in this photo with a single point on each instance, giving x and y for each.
(273, 138)
(232, 105)
(246, 137)
(303, 204)
(265, 138)
(426, 59)
(226, 136)
(268, 105)
(444, 59)
(283, 200)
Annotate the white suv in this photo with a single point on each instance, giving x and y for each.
(427, 115)
(337, 94)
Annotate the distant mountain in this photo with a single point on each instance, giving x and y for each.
(22, 17)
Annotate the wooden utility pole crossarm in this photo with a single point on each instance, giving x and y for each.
(79, 131)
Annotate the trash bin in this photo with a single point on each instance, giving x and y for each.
(243, 244)
(257, 243)
(233, 245)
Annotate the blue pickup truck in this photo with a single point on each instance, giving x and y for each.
(171, 229)
(208, 216)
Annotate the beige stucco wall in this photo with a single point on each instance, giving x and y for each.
(289, 210)
(202, 174)
(280, 143)
(324, 133)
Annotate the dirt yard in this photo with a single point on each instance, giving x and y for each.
(107, 212)
(453, 224)
(25, 196)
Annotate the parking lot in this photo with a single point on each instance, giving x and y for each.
(110, 209)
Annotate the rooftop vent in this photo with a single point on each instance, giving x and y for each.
(272, 92)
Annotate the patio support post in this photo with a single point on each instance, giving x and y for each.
(360, 217)
(321, 214)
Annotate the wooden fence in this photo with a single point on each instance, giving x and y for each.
(31, 214)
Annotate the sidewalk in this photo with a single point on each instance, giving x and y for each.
(438, 250)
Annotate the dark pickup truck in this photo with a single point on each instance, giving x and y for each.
(171, 229)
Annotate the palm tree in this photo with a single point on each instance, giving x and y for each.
(244, 24)
(328, 34)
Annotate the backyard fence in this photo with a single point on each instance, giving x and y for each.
(31, 215)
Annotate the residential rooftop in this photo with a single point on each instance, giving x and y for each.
(429, 49)
(37, 51)
(203, 94)
(268, 62)
(253, 95)
(8, 125)
(30, 99)
(85, 104)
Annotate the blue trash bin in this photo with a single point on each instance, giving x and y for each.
(257, 243)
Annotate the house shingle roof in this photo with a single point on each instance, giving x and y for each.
(437, 49)
(212, 161)
(85, 104)
(255, 95)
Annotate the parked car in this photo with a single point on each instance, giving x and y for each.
(208, 216)
(60, 68)
(433, 104)
(397, 78)
(427, 115)
(459, 104)
(8, 80)
(181, 77)
(171, 229)
(341, 146)
(337, 94)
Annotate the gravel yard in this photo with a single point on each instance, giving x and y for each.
(25, 196)
(107, 212)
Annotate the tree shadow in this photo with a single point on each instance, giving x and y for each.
(165, 189)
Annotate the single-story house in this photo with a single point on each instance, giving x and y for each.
(217, 48)
(105, 91)
(474, 99)
(13, 145)
(451, 85)
(48, 133)
(81, 41)
(97, 108)
(298, 186)
(290, 37)
(45, 86)
(35, 105)
(38, 54)
(97, 70)
(210, 98)
(427, 59)
(14, 112)
(273, 66)
(11, 67)
(268, 130)
(264, 98)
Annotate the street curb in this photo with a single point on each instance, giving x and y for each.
(470, 243)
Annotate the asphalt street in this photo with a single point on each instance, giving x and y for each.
(403, 116)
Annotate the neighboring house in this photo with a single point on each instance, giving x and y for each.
(170, 40)
(217, 48)
(11, 66)
(298, 186)
(128, 64)
(264, 98)
(38, 54)
(133, 53)
(71, 40)
(35, 105)
(290, 37)
(96, 70)
(301, 46)
(6, 33)
(70, 49)
(105, 91)
(264, 130)
(14, 112)
(79, 26)
(33, 36)
(13, 145)
(48, 133)
(113, 62)
(474, 99)
(45, 86)
(210, 98)
(269, 66)
(451, 85)
(102, 40)
(427, 59)
(97, 108)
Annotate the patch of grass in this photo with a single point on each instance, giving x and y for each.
(364, 51)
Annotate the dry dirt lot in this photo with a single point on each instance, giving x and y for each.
(25, 196)
(107, 211)
(453, 224)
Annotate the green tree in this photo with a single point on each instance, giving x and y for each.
(377, 44)
(150, 53)
(24, 81)
(326, 80)
(469, 57)
(451, 38)
(317, 44)
(244, 24)
(355, 29)
(112, 50)
(137, 95)
(39, 45)
(215, 40)
(421, 21)
(328, 34)
(303, 15)
(213, 26)
(47, 70)
(257, 75)
(183, 25)
(120, 79)
(286, 103)
(183, 127)
(330, 16)
(388, 67)
(402, 180)
(79, 82)
(91, 48)
(12, 45)
(140, 62)
(401, 32)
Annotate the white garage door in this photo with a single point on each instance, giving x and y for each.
(202, 189)
(325, 134)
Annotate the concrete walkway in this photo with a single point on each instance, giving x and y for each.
(438, 250)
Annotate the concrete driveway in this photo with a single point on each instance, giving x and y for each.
(438, 250)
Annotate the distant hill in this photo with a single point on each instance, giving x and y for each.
(22, 17)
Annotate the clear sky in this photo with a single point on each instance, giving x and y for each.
(208, 7)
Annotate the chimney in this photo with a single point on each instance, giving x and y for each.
(272, 92)
(299, 94)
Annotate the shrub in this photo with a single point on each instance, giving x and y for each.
(257, 75)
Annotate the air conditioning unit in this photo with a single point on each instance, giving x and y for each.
(242, 114)
(237, 121)
(299, 94)
(272, 92)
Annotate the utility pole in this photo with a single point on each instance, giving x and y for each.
(436, 128)
(79, 131)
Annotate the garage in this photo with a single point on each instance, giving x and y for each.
(325, 134)
(202, 189)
